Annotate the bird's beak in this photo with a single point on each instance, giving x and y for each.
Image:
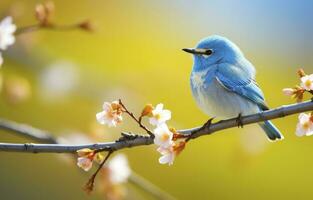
(195, 51)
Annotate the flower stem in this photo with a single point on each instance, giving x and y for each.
(91, 182)
(134, 118)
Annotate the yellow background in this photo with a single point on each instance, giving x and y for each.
(135, 54)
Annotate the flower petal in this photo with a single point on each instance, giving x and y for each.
(159, 107)
(101, 117)
(303, 118)
(84, 163)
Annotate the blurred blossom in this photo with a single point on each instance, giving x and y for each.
(113, 175)
(307, 82)
(305, 125)
(252, 141)
(16, 89)
(111, 114)
(119, 169)
(58, 80)
(7, 29)
(159, 116)
(43, 12)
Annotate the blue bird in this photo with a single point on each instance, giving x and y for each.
(223, 82)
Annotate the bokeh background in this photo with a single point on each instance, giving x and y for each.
(58, 80)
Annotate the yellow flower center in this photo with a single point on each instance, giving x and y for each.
(165, 137)
(308, 83)
(306, 125)
(157, 116)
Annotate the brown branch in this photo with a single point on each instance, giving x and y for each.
(139, 140)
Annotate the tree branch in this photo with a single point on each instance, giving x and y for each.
(45, 137)
(27, 131)
(128, 141)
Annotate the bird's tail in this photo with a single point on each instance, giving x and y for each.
(271, 131)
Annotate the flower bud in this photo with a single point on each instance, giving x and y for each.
(40, 13)
(147, 111)
(288, 91)
(301, 72)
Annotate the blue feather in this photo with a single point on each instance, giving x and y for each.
(223, 82)
(236, 80)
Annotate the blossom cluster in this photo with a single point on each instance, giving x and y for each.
(7, 38)
(305, 124)
(164, 137)
(86, 157)
(306, 85)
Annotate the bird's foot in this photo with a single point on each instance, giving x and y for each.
(239, 121)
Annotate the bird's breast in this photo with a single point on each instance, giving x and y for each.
(214, 100)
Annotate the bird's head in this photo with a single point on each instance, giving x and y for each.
(212, 50)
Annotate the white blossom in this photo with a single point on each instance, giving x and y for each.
(119, 169)
(163, 136)
(7, 29)
(168, 155)
(111, 114)
(305, 125)
(159, 116)
(307, 82)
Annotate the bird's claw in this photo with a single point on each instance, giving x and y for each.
(239, 121)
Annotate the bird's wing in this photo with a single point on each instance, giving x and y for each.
(234, 79)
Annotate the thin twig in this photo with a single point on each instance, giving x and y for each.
(135, 118)
(91, 182)
(147, 140)
(55, 27)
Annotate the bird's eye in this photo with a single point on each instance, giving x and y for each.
(208, 52)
